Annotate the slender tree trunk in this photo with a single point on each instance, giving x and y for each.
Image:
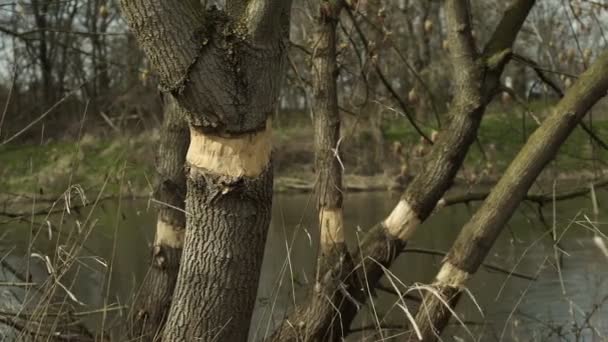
(482, 230)
(333, 260)
(225, 68)
(154, 299)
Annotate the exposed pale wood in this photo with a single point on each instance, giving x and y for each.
(169, 235)
(332, 227)
(243, 155)
(402, 221)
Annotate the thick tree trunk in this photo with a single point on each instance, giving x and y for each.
(333, 260)
(480, 233)
(228, 219)
(154, 299)
(225, 68)
(424, 29)
(476, 79)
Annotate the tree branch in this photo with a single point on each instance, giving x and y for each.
(536, 198)
(479, 234)
(509, 26)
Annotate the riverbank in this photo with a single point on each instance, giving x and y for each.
(125, 164)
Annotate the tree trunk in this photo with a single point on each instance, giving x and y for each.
(154, 299)
(333, 260)
(482, 230)
(225, 68)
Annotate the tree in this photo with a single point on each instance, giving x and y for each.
(479, 234)
(154, 299)
(224, 69)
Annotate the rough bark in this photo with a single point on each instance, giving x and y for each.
(479, 234)
(217, 284)
(225, 69)
(476, 79)
(154, 299)
(333, 260)
(221, 69)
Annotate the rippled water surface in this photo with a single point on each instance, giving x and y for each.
(566, 294)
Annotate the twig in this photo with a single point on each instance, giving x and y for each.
(486, 265)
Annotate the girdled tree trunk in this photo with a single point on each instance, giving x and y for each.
(476, 80)
(333, 258)
(225, 68)
(482, 230)
(154, 299)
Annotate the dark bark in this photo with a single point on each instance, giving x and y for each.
(154, 298)
(479, 234)
(225, 69)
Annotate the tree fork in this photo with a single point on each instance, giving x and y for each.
(479, 234)
(152, 304)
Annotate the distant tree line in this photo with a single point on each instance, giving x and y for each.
(392, 58)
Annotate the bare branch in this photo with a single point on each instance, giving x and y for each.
(509, 26)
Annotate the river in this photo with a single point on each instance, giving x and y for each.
(561, 299)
